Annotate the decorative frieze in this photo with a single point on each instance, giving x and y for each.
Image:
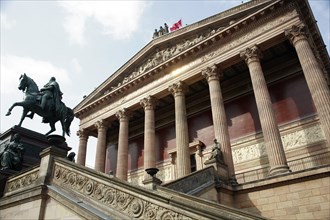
(23, 180)
(297, 138)
(104, 193)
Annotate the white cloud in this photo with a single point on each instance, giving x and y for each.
(6, 22)
(76, 65)
(119, 19)
(40, 71)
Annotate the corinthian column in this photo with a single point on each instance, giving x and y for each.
(314, 75)
(122, 157)
(219, 117)
(149, 104)
(272, 138)
(83, 138)
(100, 147)
(181, 129)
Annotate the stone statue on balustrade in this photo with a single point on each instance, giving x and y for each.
(12, 155)
(216, 153)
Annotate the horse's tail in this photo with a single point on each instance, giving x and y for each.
(68, 119)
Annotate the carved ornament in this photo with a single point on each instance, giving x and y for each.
(149, 103)
(251, 54)
(178, 89)
(296, 33)
(211, 73)
(25, 180)
(123, 114)
(105, 194)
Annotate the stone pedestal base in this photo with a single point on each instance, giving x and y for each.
(152, 183)
(221, 171)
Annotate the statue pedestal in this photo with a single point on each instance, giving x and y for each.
(152, 182)
(220, 168)
(33, 142)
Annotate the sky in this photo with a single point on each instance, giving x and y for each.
(82, 43)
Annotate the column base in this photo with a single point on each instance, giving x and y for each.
(280, 169)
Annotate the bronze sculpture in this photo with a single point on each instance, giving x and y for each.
(11, 157)
(46, 103)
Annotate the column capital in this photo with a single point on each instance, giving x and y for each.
(251, 54)
(149, 103)
(82, 133)
(296, 33)
(211, 73)
(101, 124)
(123, 114)
(178, 89)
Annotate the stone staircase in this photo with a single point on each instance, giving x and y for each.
(87, 194)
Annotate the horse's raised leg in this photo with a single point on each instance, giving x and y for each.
(52, 128)
(11, 108)
(25, 111)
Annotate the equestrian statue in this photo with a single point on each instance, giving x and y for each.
(47, 103)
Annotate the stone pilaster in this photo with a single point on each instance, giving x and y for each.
(83, 138)
(219, 117)
(272, 138)
(150, 157)
(102, 128)
(314, 76)
(122, 157)
(181, 129)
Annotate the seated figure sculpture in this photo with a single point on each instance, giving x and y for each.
(11, 157)
(216, 153)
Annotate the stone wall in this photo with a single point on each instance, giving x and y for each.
(303, 195)
(27, 210)
(56, 210)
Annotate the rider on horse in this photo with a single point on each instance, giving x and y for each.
(51, 91)
(51, 108)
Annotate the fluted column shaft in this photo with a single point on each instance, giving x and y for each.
(122, 157)
(314, 76)
(149, 133)
(219, 116)
(181, 129)
(83, 138)
(101, 145)
(272, 138)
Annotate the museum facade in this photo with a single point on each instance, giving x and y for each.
(233, 112)
(254, 77)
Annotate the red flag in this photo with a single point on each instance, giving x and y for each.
(176, 25)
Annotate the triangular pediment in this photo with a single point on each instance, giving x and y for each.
(161, 51)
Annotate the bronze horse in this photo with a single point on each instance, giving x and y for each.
(31, 103)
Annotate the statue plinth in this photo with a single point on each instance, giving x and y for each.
(34, 143)
(152, 182)
(220, 168)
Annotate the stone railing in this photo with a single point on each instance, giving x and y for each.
(119, 199)
(21, 181)
(294, 165)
